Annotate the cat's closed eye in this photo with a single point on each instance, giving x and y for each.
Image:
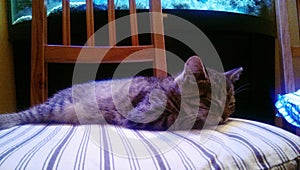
(231, 104)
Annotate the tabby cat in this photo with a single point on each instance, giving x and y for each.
(147, 103)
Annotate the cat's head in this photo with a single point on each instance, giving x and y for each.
(216, 90)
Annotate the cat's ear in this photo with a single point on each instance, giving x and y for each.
(234, 74)
(195, 65)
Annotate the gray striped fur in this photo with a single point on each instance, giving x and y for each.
(149, 103)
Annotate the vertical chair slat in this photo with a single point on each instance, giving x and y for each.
(133, 23)
(286, 64)
(298, 14)
(41, 51)
(156, 18)
(90, 22)
(38, 83)
(66, 22)
(111, 22)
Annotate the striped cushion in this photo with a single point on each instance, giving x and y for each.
(238, 144)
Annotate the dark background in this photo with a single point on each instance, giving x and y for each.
(240, 40)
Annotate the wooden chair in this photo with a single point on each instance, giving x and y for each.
(44, 53)
(288, 54)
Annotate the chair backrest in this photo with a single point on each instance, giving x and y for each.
(43, 53)
(289, 50)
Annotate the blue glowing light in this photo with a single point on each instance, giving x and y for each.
(288, 106)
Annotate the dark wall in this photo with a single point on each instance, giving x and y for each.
(240, 40)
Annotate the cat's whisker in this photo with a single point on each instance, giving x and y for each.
(241, 91)
(242, 88)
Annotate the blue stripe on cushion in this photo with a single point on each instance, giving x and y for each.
(70, 147)
(20, 144)
(185, 160)
(163, 164)
(55, 155)
(106, 151)
(235, 156)
(30, 154)
(130, 152)
(82, 151)
(280, 152)
(257, 153)
(211, 156)
(284, 136)
(9, 131)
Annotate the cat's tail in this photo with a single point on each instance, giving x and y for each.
(33, 115)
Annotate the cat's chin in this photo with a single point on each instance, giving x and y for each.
(198, 124)
(223, 120)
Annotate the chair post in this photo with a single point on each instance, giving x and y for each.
(111, 23)
(157, 28)
(38, 86)
(133, 23)
(66, 22)
(286, 65)
(90, 22)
